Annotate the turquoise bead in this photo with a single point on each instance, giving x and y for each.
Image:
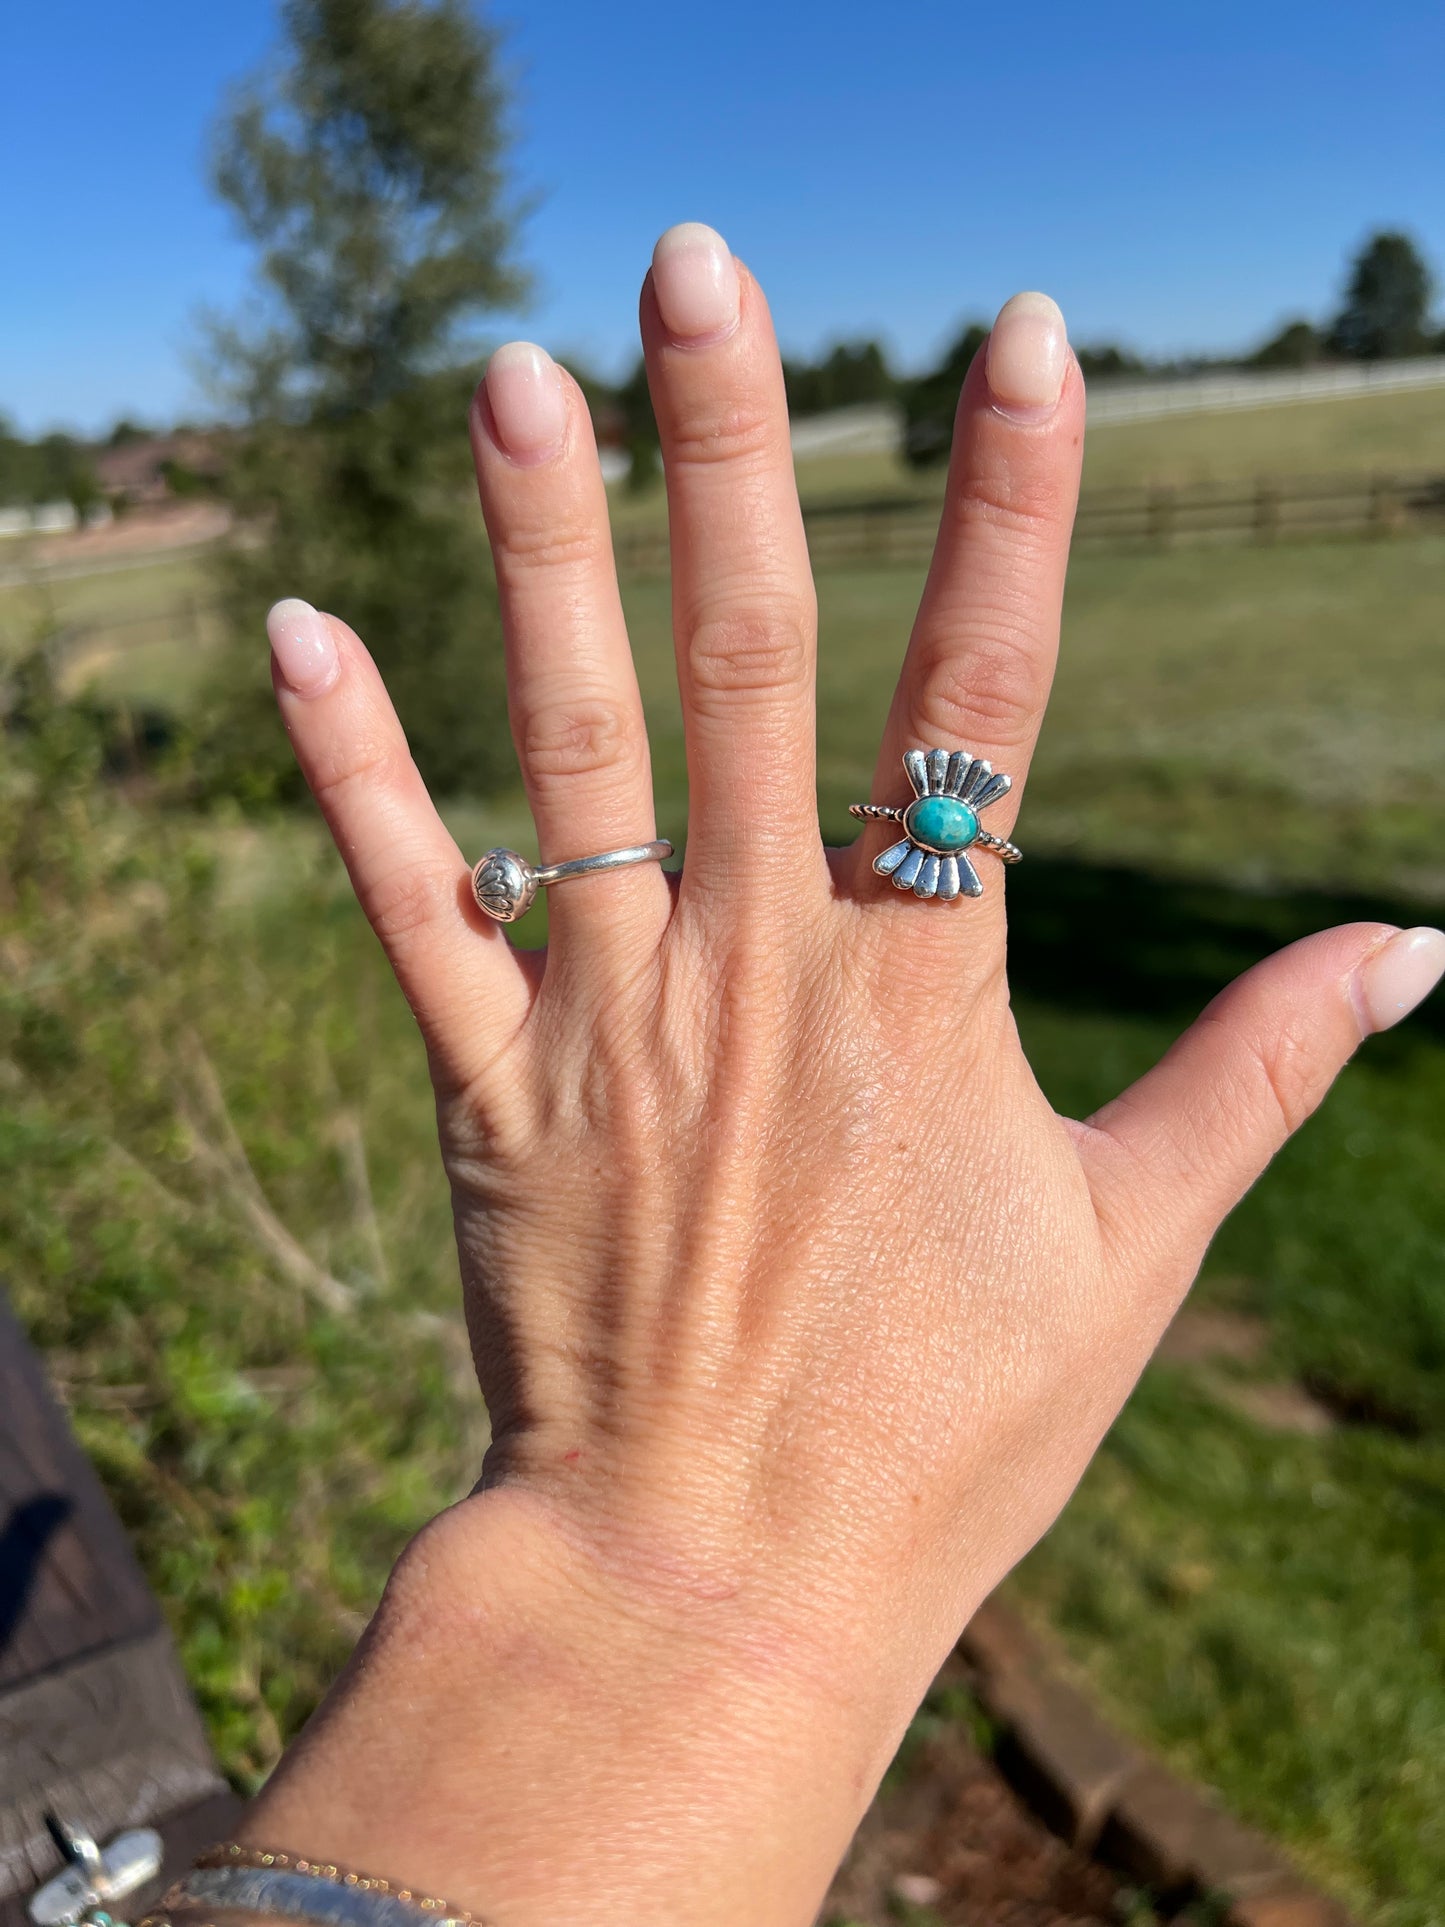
(941, 823)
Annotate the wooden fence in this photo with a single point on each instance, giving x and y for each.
(899, 531)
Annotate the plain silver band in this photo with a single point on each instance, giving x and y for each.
(581, 866)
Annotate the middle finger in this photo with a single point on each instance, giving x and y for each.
(744, 612)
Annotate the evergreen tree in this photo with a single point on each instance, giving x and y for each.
(853, 372)
(1387, 304)
(366, 169)
(929, 404)
(1296, 345)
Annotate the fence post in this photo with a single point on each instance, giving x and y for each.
(1160, 516)
(1266, 511)
(1382, 490)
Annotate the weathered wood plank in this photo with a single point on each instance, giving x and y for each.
(96, 1722)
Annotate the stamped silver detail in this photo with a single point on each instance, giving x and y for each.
(505, 884)
(936, 864)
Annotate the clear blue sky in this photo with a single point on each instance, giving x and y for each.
(1179, 176)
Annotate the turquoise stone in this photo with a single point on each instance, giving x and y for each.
(941, 823)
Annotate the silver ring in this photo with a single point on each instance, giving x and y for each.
(941, 824)
(505, 884)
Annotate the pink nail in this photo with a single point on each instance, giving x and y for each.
(529, 407)
(695, 280)
(1400, 974)
(1028, 354)
(302, 643)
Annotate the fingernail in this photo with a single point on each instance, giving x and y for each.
(695, 280)
(1400, 974)
(1028, 353)
(529, 408)
(302, 644)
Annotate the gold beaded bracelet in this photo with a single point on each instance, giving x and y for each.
(274, 1889)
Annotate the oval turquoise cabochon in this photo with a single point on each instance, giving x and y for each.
(941, 823)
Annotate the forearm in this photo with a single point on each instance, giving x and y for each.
(536, 1740)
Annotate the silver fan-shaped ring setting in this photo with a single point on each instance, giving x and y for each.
(505, 884)
(940, 826)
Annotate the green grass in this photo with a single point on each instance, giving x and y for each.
(1262, 1607)
(1261, 715)
(269, 1455)
(1364, 434)
(1243, 745)
(1392, 433)
(113, 598)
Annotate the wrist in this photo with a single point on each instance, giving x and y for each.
(527, 1732)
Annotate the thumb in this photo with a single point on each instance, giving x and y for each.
(1168, 1158)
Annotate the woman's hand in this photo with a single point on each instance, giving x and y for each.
(797, 1310)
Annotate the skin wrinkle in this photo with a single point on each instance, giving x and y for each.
(797, 1312)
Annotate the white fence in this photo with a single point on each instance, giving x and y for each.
(877, 429)
(1138, 401)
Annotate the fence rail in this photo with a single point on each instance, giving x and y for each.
(899, 531)
(1129, 400)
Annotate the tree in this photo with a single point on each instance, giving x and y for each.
(1297, 345)
(367, 172)
(56, 468)
(929, 404)
(852, 373)
(1387, 303)
(1106, 360)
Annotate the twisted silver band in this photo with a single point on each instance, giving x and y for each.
(505, 884)
(885, 813)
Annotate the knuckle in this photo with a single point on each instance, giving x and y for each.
(1029, 507)
(738, 433)
(990, 690)
(750, 652)
(370, 762)
(579, 737)
(524, 549)
(406, 901)
(1286, 1071)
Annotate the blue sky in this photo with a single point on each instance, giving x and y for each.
(1180, 177)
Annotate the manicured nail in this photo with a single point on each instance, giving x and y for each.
(1398, 975)
(302, 644)
(695, 280)
(529, 407)
(1028, 353)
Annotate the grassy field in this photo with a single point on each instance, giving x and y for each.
(207, 1071)
(1388, 433)
(1216, 713)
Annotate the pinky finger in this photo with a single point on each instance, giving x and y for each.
(460, 976)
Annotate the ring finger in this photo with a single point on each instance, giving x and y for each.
(571, 686)
(981, 658)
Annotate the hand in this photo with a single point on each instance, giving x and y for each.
(797, 1310)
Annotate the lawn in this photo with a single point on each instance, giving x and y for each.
(1388, 433)
(1259, 716)
(1364, 434)
(1243, 745)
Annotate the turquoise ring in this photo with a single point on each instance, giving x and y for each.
(940, 826)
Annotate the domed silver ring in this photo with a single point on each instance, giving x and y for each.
(505, 884)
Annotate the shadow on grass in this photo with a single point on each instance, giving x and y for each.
(1119, 940)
